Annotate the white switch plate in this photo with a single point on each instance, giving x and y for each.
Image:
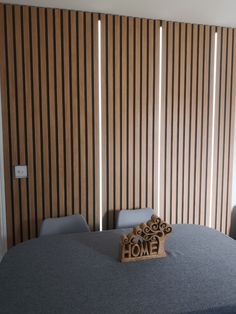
(20, 172)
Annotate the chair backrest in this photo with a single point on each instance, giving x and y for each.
(62, 225)
(232, 231)
(129, 218)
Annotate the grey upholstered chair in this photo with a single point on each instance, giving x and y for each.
(128, 218)
(232, 232)
(62, 225)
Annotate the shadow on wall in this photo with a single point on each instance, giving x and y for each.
(232, 231)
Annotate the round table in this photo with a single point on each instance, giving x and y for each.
(81, 273)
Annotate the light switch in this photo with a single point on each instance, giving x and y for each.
(20, 172)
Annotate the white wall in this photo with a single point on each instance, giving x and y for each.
(213, 12)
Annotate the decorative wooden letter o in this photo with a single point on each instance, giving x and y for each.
(135, 250)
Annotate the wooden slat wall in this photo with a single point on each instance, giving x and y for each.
(224, 129)
(130, 82)
(187, 101)
(49, 87)
(187, 195)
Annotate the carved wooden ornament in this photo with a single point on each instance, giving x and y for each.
(146, 241)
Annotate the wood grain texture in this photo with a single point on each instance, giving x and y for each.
(59, 113)
(187, 124)
(13, 117)
(49, 75)
(156, 116)
(21, 118)
(29, 122)
(223, 132)
(187, 90)
(181, 121)
(73, 44)
(137, 113)
(49, 88)
(130, 120)
(130, 114)
(143, 135)
(53, 161)
(231, 135)
(123, 118)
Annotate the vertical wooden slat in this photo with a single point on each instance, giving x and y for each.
(193, 124)
(144, 114)
(187, 121)
(44, 114)
(89, 125)
(169, 121)
(52, 113)
(137, 120)
(82, 109)
(110, 113)
(67, 113)
(207, 83)
(124, 107)
(74, 113)
(117, 113)
(60, 124)
(181, 134)
(156, 92)
(198, 129)
(130, 112)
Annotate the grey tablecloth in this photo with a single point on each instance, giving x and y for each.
(81, 273)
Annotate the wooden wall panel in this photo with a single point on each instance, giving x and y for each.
(232, 124)
(49, 84)
(186, 106)
(187, 109)
(130, 114)
(224, 128)
(49, 87)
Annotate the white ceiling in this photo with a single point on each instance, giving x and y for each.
(213, 12)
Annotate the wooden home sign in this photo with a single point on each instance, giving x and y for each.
(146, 241)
